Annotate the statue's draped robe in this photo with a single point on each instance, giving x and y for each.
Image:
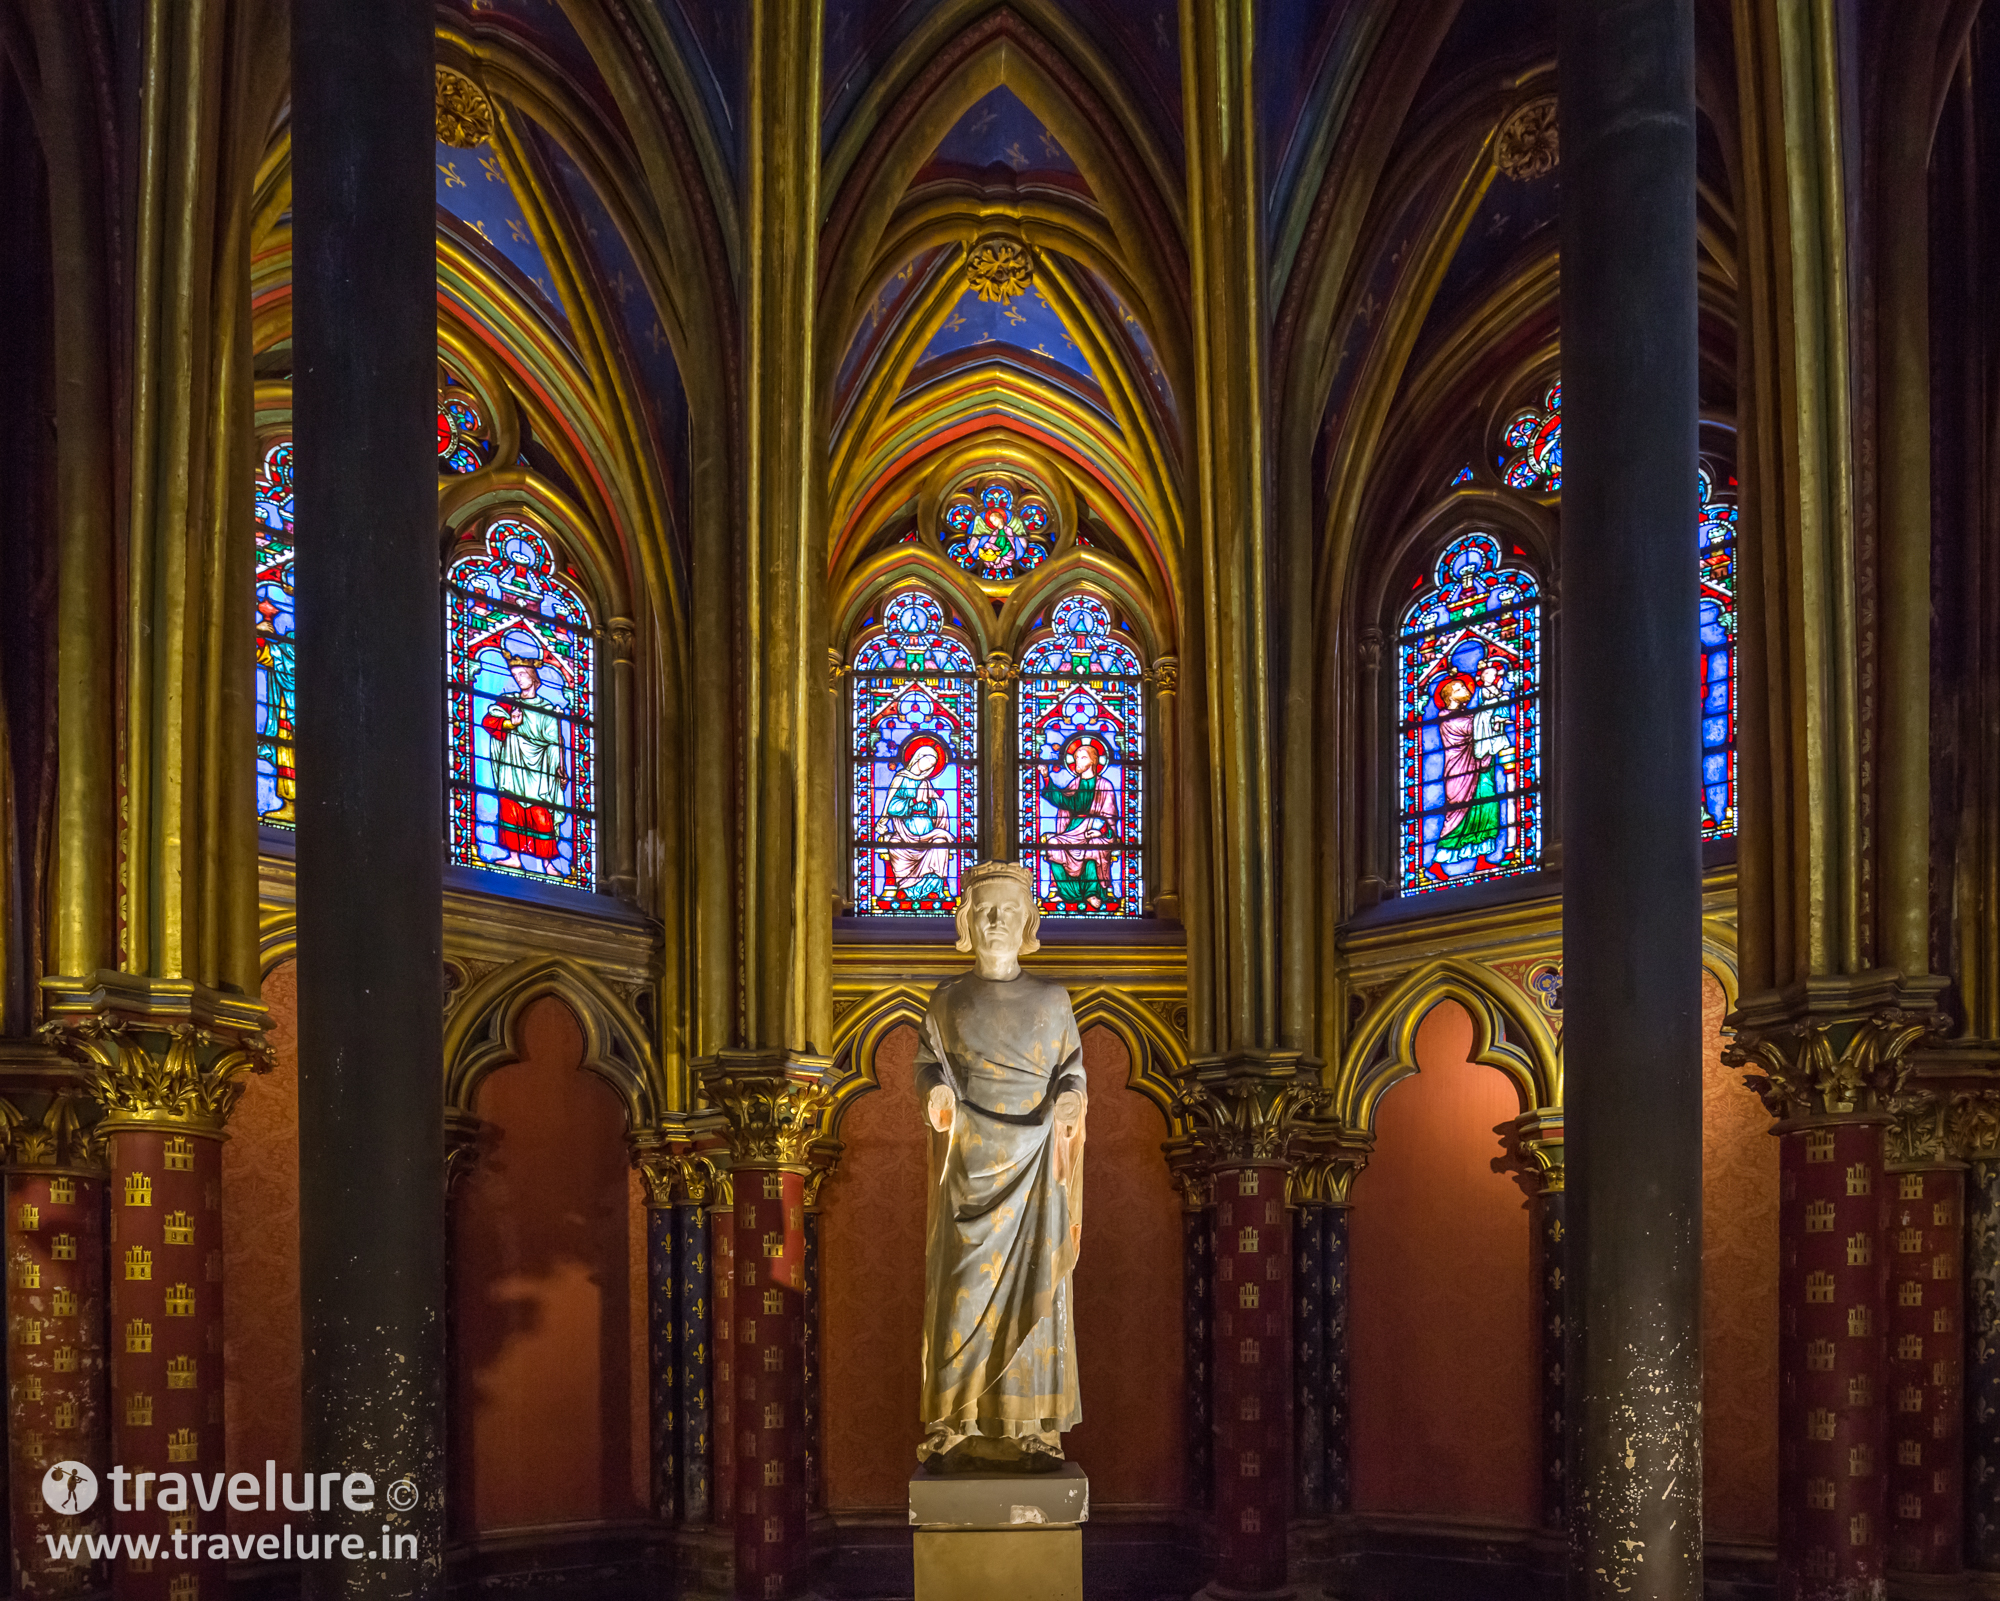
(1006, 1209)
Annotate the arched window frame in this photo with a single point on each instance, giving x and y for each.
(1002, 782)
(1080, 714)
(914, 716)
(276, 635)
(1475, 625)
(507, 605)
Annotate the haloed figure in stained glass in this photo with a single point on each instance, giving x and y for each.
(918, 812)
(1087, 801)
(528, 767)
(277, 628)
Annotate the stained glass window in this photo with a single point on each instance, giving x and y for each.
(1082, 763)
(996, 532)
(1534, 458)
(1463, 476)
(521, 697)
(1468, 673)
(916, 760)
(277, 629)
(463, 441)
(1718, 651)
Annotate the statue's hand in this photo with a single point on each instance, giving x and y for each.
(939, 1107)
(1069, 1110)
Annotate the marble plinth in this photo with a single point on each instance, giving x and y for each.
(1000, 1536)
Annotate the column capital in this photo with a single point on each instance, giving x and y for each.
(1189, 1170)
(1326, 1160)
(673, 1170)
(1248, 1105)
(621, 634)
(1837, 1045)
(51, 1134)
(158, 1053)
(774, 1105)
(461, 1148)
(1167, 675)
(1538, 1136)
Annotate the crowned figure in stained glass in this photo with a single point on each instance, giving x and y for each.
(276, 641)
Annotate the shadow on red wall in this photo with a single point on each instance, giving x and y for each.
(549, 1291)
(1128, 1289)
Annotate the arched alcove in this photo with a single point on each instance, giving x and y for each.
(549, 1296)
(1443, 1340)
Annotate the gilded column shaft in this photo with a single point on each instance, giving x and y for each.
(1832, 1487)
(1926, 1370)
(55, 1370)
(997, 801)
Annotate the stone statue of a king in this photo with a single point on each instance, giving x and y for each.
(1000, 1075)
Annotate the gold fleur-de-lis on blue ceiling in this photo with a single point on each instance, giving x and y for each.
(519, 233)
(490, 165)
(1016, 156)
(449, 171)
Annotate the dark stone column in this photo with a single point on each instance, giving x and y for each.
(370, 762)
(1550, 1231)
(1631, 842)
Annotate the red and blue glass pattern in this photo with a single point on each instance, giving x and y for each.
(1534, 458)
(1464, 475)
(1468, 674)
(521, 770)
(1718, 651)
(463, 441)
(996, 533)
(1082, 764)
(277, 635)
(916, 761)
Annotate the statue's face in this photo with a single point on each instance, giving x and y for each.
(996, 918)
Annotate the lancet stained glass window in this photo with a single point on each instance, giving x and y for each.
(520, 707)
(1533, 440)
(1082, 764)
(277, 630)
(1468, 673)
(916, 761)
(1718, 650)
(996, 532)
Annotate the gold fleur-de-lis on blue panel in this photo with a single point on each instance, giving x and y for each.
(1016, 318)
(1016, 156)
(490, 165)
(479, 228)
(1049, 146)
(621, 286)
(449, 171)
(519, 233)
(656, 336)
(957, 322)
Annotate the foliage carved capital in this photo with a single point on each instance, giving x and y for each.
(1538, 1136)
(774, 1105)
(57, 1133)
(1835, 1047)
(180, 1075)
(1246, 1108)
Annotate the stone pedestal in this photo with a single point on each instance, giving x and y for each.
(1000, 1536)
